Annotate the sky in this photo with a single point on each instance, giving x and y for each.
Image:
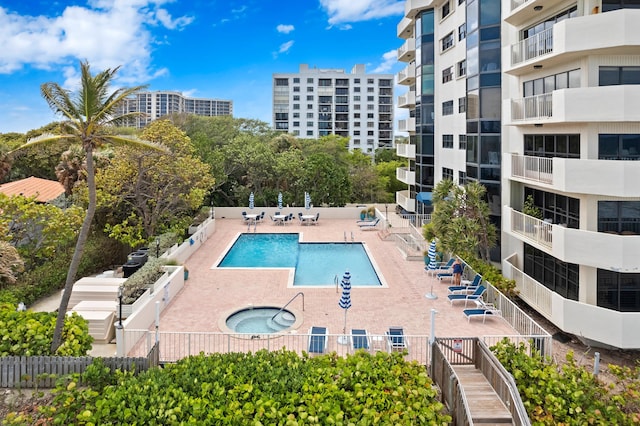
(220, 49)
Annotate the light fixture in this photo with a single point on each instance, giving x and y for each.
(537, 67)
(537, 8)
(120, 294)
(538, 125)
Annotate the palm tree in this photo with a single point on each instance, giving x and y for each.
(89, 117)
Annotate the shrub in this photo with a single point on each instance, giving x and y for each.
(141, 279)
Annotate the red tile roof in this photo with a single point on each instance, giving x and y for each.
(43, 189)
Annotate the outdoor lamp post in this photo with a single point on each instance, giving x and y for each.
(157, 248)
(120, 306)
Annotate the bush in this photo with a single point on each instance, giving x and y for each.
(30, 333)
(493, 275)
(141, 279)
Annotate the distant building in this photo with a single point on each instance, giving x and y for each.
(318, 102)
(45, 190)
(158, 104)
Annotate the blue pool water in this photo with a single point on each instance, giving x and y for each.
(316, 264)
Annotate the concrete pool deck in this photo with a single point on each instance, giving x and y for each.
(211, 294)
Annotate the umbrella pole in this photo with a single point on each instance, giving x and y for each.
(343, 340)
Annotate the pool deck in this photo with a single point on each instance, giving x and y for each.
(210, 294)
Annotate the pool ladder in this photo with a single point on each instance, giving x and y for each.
(353, 238)
(287, 304)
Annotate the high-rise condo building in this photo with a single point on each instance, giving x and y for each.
(317, 102)
(571, 146)
(158, 104)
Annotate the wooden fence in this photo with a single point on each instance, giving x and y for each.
(43, 371)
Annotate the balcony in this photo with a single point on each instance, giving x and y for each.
(616, 178)
(591, 248)
(405, 28)
(611, 33)
(407, 52)
(593, 323)
(404, 175)
(580, 105)
(404, 201)
(523, 11)
(407, 125)
(408, 100)
(408, 75)
(413, 7)
(406, 150)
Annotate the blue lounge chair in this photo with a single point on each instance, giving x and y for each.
(360, 339)
(476, 295)
(483, 310)
(441, 266)
(396, 341)
(317, 340)
(455, 289)
(369, 225)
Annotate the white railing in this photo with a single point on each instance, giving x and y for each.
(539, 169)
(532, 229)
(406, 47)
(406, 150)
(532, 47)
(517, 3)
(532, 107)
(403, 174)
(174, 346)
(407, 74)
(407, 125)
(404, 200)
(531, 291)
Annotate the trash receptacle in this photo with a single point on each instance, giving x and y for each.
(130, 267)
(138, 256)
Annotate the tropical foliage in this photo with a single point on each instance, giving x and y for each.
(569, 394)
(263, 388)
(30, 333)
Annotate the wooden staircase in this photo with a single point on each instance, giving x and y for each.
(485, 407)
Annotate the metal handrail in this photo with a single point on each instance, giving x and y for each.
(287, 304)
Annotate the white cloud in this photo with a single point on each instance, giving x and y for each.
(284, 47)
(285, 29)
(341, 11)
(108, 34)
(389, 59)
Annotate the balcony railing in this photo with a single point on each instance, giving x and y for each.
(407, 125)
(538, 169)
(405, 201)
(407, 75)
(532, 229)
(532, 47)
(532, 107)
(403, 174)
(406, 150)
(407, 50)
(531, 291)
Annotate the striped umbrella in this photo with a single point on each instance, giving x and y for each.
(307, 200)
(345, 299)
(251, 205)
(431, 253)
(280, 200)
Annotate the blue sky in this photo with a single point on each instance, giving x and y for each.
(224, 49)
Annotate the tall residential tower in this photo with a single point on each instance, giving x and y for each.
(317, 102)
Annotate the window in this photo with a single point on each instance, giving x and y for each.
(370, 98)
(356, 80)
(296, 115)
(369, 132)
(562, 146)
(296, 133)
(310, 80)
(296, 80)
(309, 115)
(619, 147)
(296, 124)
(447, 142)
(282, 81)
(569, 79)
(356, 132)
(619, 217)
(447, 174)
(370, 124)
(559, 208)
(356, 90)
(613, 76)
(356, 115)
(556, 275)
(356, 106)
(447, 74)
(310, 89)
(309, 97)
(447, 108)
(296, 97)
(370, 90)
(309, 132)
(309, 123)
(296, 106)
(356, 98)
(369, 81)
(447, 41)
(618, 291)
(296, 89)
(445, 10)
(370, 107)
(462, 105)
(324, 82)
(309, 106)
(462, 141)
(462, 68)
(462, 32)
(462, 178)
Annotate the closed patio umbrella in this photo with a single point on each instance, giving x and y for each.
(280, 200)
(307, 201)
(345, 303)
(251, 205)
(432, 266)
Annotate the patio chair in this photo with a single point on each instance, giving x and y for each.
(396, 341)
(463, 289)
(314, 221)
(476, 295)
(483, 310)
(300, 218)
(317, 340)
(370, 225)
(360, 339)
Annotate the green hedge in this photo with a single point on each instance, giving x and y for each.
(261, 389)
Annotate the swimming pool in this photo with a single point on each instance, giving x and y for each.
(315, 264)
